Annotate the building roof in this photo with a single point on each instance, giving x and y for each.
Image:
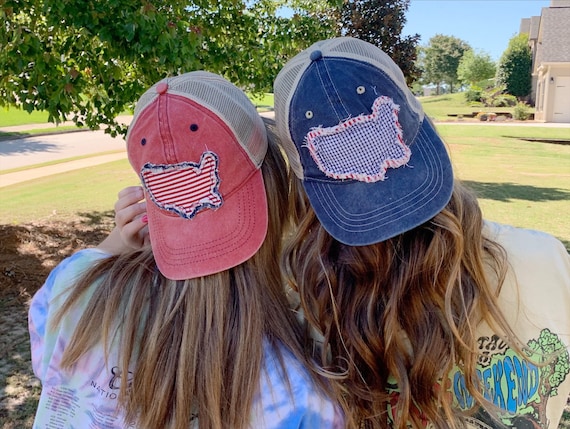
(554, 33)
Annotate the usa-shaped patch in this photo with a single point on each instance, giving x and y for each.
(361, 148)
(185, 188)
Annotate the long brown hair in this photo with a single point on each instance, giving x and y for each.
(402, 312)
(195, 346)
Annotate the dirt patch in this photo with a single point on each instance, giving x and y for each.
(27, 254)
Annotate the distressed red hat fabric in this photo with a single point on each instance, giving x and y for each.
(198, 143)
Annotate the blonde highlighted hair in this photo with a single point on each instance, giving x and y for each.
(397, 316)
(194, 347)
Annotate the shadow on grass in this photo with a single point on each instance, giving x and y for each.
(541, 140)
(96, 218)
(506, 192)
(12, 135)
(264, 108)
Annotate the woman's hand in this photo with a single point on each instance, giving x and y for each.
(131, 229)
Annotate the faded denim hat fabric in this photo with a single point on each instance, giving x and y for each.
(197, 143)
(372, 165)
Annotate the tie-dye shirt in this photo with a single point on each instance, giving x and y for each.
(86, 396)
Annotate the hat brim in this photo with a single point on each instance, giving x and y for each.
(217, 240)
(358, 213)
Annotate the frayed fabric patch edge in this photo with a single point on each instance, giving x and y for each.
(214, 203)
(361, 119)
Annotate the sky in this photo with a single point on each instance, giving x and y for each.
(486, 25)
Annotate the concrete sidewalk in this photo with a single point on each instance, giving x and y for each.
(54, 148)
(9, 179)
(59, 148)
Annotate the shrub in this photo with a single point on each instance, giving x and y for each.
(515, 67)
(521, 111)
(496, 97)
(504, 100)
(473, 94)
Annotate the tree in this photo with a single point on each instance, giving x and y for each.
(555, 368)
(380, 22)
(88, 58)
(441, 59)
(475, 68)
(249, 44)
(515, 67)
(90, 61)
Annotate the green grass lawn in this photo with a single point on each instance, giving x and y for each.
(63, 196)
(10, 116)
(520, 182)
(262, 102)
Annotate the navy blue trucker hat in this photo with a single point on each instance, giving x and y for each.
(371, 164)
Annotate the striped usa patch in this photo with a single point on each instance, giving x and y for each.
(185, 188)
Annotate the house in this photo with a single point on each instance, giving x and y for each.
(549, 40)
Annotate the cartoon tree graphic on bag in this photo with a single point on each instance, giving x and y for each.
(551, 350)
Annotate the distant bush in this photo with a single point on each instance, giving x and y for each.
(521, 111)
(474, 94)
(504, 100)
(496, 97)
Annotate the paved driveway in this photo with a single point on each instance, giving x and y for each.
(93, 147)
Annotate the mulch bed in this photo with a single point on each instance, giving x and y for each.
(28, 253)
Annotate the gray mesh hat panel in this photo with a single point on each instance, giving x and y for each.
(224, 99)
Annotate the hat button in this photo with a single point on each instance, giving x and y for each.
(316, 55)
(161, 87)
